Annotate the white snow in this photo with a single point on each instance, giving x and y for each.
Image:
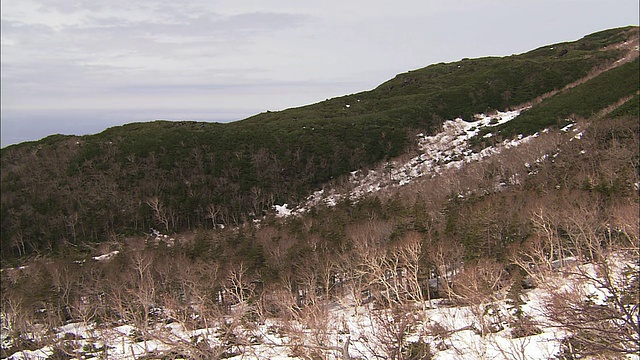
(568, 127)
(460, 336)
(106, 256)
(449, 148)
(282, 210)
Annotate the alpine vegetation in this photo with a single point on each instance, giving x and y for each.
(486, 208)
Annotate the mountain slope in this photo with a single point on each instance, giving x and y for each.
(470, 245)
(527, 251)
(66, 190)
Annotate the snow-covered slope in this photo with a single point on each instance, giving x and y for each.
(449, 148)
(496, 328)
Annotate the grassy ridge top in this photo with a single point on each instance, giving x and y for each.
(582, 101)
(466, 87)
(186, 175)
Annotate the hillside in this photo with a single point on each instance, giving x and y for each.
(486, 208)
(67, 191)
(526, 249)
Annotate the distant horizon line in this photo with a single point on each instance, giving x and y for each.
(27, 125)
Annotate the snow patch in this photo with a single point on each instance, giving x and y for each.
(106, 256)
(282, 210)
(449, 148)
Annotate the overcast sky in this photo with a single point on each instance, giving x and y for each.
(81, 66)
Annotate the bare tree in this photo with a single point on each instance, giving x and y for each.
(600, 321)
(409, 253)
(600, 309)
(212, 213)
(447, 258)
(159, 211)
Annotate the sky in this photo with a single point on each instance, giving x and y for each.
(81, 66)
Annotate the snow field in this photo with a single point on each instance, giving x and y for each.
(449, 148)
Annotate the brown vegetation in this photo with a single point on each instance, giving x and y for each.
(456, 235)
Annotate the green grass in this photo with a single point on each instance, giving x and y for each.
(582, 101)
(630, 108)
